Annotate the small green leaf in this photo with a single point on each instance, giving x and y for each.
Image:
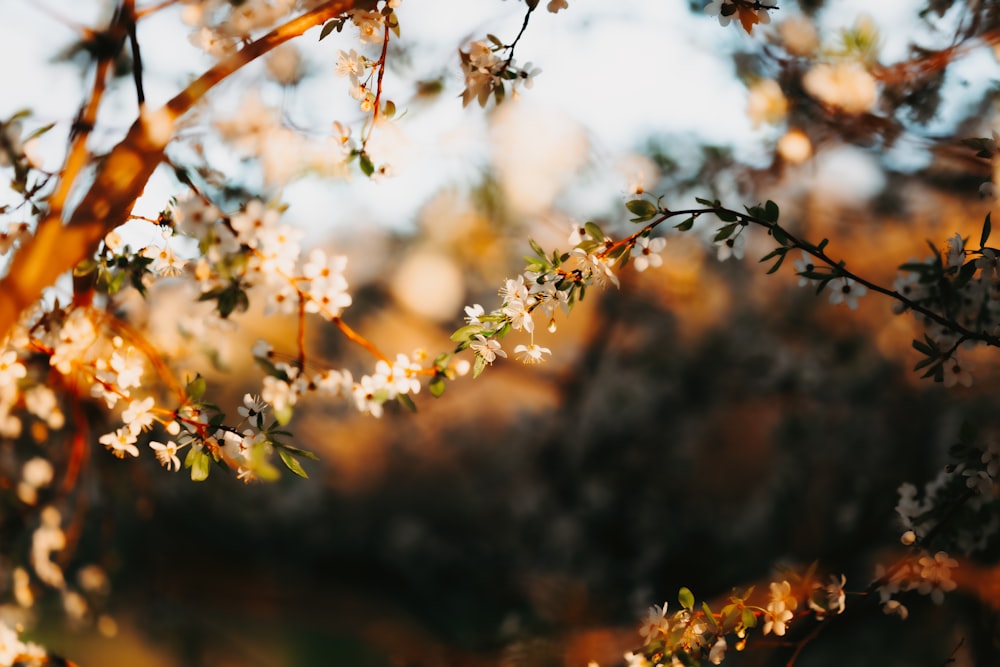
(366, 164)
(771, 211)
(725, 232)
(686, 598)
(437, 386)
(965, 274)
(284, 415)
(709, 616)
(726, 215)
(85, 267)
(301, 453)
(643, 209)
(685, 225)
(987, 227)
(330, 26)
(292, 463)
(594, 231)
(478, 366)
(538, 249)
(407, 402)
(200, 466)
(467, 333)
(37, 132)
(195, 389)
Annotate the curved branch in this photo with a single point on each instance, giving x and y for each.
(56, 248)
(837, 268)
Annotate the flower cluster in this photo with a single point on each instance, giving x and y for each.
(488, 66)
(957, 509)
(560, 279)
(365, 76)
(551, 283)
(961, 285)
(693, 634)
(13, 651)
(219, 27)
(925, 573)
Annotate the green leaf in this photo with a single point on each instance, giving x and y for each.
(37, 132)
(986, 232)
(437, 386)
(195, 389)
(643, 209)
(478, 366)
(328, 27)
(594, 231)
(686, 225)
(538, 249)
(726, 215)
(780, 235)
(686, 598)
(777, 252)
(85, 267)
(201, 465)
(301, 453)
(725, 232)
(771, 211)
(284, 415)
(709, 616)
(965, 274)
(407, 402)
(366, 164)
(292, 463)
(467, 333)
(706, 202)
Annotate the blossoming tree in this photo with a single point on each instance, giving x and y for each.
(87, 363)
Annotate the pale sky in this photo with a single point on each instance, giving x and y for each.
(612, 73)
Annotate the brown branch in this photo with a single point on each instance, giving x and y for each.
(57, 248)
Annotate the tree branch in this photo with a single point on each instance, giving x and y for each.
(57, 248)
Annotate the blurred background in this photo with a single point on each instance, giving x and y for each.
(701, 426)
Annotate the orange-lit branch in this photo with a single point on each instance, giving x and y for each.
(57, 248)
(358, 339)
